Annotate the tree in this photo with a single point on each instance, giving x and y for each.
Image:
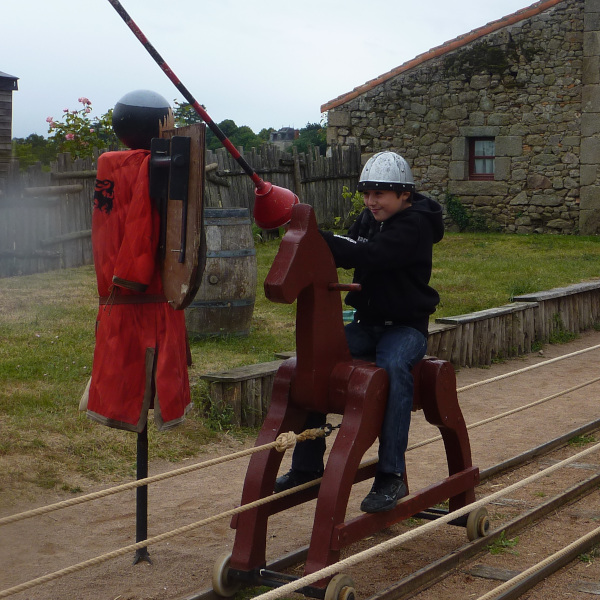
(185, 114)
(314, 134)
(33, 149)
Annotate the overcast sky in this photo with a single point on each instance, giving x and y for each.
(267, 63)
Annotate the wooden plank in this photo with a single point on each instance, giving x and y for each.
(83, 174)
(244, 372)
(495, 573)
(247, 404)
(576, 288)
(485, 314)
(75, 235)
(53, 190)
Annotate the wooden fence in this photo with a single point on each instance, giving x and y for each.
(45, 217)
(316, 179)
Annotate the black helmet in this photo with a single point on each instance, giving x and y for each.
(137, 116)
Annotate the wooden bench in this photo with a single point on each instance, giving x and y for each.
(472, 339)
(573, 308)
(245, 390)
(481, 336)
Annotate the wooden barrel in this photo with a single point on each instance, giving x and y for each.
(225, 301)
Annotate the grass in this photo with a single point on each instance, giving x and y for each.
(502, 545)
(47, 342)
(579, 441)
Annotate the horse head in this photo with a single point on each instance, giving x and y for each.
(303, 259)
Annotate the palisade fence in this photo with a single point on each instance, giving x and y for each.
(45, 217)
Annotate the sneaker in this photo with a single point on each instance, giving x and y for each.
(387, 489)
(294, 478)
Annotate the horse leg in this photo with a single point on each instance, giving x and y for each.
(249, 548)
(437, 391)
(365, 393)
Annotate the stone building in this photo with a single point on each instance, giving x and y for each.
(505, 118)
(8, 83)
(283, 138)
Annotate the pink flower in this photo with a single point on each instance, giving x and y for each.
(88, 109)
(84, 100)
(92, 130)
(70, 136)
(65, 110)
(49, 119)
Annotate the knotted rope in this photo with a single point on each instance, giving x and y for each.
(281, 444)
(355, 559)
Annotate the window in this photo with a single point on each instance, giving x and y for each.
(481, 158)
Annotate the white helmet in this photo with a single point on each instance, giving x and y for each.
(386, 171)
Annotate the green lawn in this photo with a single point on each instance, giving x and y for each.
(47, 341)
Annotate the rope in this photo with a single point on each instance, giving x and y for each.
(490, 419)
(153, 540)
(509, 412)
(282, 443)
(582, 541)
(317, 575)
(524, 369)
(410, 535)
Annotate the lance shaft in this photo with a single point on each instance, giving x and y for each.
(258, 182)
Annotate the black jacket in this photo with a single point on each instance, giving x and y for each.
(392, 263)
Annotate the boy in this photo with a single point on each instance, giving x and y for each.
(390, 247)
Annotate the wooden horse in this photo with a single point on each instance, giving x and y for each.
(323, 377)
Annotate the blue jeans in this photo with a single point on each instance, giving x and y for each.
(397, 349)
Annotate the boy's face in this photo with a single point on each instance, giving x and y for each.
(385, 203)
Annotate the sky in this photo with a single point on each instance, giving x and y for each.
(266, 63)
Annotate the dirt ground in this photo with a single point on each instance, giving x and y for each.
(182, 565)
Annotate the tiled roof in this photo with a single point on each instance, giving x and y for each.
(461, 40)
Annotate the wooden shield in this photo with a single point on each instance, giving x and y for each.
(184, 253)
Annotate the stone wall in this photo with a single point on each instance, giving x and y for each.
(533, 86)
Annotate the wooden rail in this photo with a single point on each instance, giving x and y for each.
(474, 339)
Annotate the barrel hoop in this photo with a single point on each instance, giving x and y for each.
(231, 253)
(221, 303)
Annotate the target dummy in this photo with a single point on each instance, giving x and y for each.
(148, 246)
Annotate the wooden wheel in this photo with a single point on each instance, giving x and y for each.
(341, 587)
(478, 524)
(220, 580)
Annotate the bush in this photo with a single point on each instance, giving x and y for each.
(462, 217)
(78, 134)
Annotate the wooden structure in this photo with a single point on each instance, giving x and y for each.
(46, 218)
(573, 308)
(317, 180)
(45, 229)
(323, 377)
(8, 84)
(224, 304)
(473, 340)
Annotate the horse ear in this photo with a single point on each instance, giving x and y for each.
(303, 217)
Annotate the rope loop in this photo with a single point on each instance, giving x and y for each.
(290, 439)
(285, 441)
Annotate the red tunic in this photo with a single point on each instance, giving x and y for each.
(140, 359)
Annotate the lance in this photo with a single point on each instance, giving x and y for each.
(272, 204)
